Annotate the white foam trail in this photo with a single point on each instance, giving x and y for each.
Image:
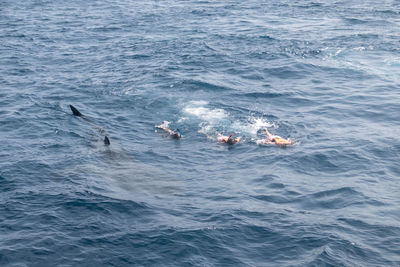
(208, 130)
(199, 109)
(215, 120)
(252, 126)
(210, 119)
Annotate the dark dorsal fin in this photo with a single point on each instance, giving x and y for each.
(106, 141)
(75, 111)
(78, 114)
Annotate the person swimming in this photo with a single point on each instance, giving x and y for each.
(274, 139)
(173, 134)
(230, 140)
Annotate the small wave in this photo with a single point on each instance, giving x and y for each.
(262, 95)
(328, 199)
(207, 86)
(274, 199)
(336, 199)
(285, 72)
(316, 161)
(266, 37)
(276, 185)
(106, 29)
(354, 21)
(105, 206)
(380, 229)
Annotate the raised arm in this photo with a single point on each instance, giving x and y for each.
(268, 133)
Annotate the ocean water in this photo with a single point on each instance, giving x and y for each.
(325, 74)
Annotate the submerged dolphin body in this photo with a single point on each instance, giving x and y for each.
(78, 114)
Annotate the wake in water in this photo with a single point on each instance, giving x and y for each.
(212, 122)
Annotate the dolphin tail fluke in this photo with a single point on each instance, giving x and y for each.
(75, 111)
(106, 141)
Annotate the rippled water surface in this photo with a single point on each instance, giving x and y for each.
(325, 74)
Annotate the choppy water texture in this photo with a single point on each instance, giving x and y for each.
(323, 73)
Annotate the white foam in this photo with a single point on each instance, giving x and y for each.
(210, 119)
(214, 120)
(199, 109)
(252, 126)
(208, 130)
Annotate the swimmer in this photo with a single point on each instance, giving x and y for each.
(173, 134)
(274, 139)
(230, 140)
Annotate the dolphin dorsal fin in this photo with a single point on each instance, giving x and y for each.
(106, 141)
(75, 111)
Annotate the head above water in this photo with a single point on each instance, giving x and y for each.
(231, 140)
(177, 134)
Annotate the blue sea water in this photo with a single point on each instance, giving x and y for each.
(324, 73)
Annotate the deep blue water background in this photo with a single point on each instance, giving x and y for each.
(324, 73)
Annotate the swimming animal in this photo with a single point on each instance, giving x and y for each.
(76, 112)
(106, 141)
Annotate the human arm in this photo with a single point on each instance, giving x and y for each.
(165, 129)
(268, 133)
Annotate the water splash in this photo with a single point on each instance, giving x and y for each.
(200, 110)
(212, 121)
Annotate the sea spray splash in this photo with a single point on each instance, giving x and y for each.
(200, 110)
(212, 121)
